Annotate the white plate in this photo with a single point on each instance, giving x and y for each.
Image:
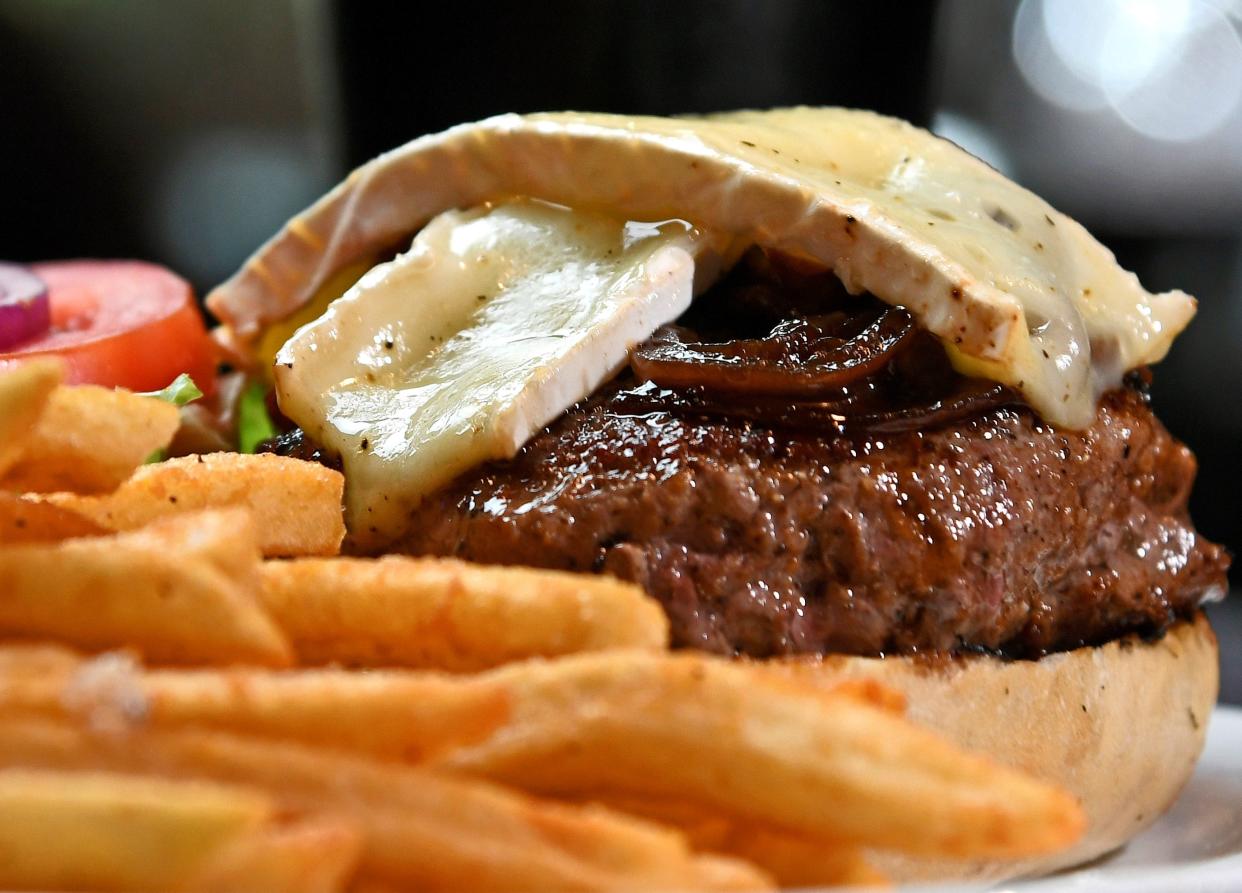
(1195, 848)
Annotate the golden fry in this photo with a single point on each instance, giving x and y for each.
(398, 716)
(24, 392)
(448, 615)
(97, 831)
(296, 505)
(420, 828)
(89, 439)
(731, 741)
(795, 861)
(314, 855)
(180, 591)
(30, 521)
(770, 753)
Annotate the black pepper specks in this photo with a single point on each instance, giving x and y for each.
(365, 445)
(1003, 217)
(748, 143)
(1194, 720)
(955, 293)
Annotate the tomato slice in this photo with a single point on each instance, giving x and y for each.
(121, 324)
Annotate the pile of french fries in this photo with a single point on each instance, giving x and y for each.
(196, 694)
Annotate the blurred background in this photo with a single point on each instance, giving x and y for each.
(187, 132)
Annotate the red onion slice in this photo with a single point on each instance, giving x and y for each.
(25, 311)
(802, 358)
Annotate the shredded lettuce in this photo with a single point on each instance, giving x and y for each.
(183, 390)
(254, 425)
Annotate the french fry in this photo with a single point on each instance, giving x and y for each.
(448, 615)
(24, 393)
(312, 855)
(764, 751)
(420, 828)
(89, 439)
(794, 861)
(296, 505)
(28, 521)
(97, 831)
(395, 716)
(45, 662)
(180, 591)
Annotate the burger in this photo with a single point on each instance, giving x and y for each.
(832, 390)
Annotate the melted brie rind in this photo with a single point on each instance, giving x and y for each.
(1016, 291)
(456, 352)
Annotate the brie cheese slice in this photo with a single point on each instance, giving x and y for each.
(457, 351)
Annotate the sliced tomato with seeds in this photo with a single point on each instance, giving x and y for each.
(121, 324)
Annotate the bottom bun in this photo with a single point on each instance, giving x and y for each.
(1120, 726)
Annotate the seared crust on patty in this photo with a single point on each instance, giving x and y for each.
(998, 533)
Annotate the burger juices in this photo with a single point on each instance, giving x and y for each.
(819, 382)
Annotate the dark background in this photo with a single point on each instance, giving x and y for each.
(187, 132)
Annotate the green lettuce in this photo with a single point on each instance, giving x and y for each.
(254, 424)
(183, 390)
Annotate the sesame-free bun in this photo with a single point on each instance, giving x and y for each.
(1121, 726)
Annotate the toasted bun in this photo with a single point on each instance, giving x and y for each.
(1120, 726)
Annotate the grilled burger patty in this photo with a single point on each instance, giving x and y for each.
(908, 510)
(997, 533)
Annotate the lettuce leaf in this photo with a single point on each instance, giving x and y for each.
(183, 390)
(180, 391)
(254, 424)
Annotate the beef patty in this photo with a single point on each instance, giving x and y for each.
(943, 516)
(997, 533)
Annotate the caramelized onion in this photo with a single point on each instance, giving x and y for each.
(807, 357)
(860, 412)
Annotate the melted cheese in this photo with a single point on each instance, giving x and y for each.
(494, 322)
(1017, 291)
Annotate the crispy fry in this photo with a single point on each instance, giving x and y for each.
(41, 661)
(180, 591)
(731, 741)
(706, 730)
(98, 831)
(396, 716)
(420, 828)
(315, 855)
(29, 521)
(793, 860)
(24, 393)
(440, 614)
(89, 439)
(296, 505)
